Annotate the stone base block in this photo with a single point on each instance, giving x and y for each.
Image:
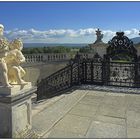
(16, 89)
(15, 112)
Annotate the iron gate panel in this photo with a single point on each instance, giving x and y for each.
(88, 70)
(74, 73)
(92, 72)
(121, 74)
(110, 73)
(97, 72)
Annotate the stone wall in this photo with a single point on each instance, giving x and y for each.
(35, 72)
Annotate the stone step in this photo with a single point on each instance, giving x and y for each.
(47, 118)
(27, 135)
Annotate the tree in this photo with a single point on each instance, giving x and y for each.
(85, 49)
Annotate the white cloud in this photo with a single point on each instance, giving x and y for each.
(64, 35)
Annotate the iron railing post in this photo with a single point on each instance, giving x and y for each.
(71, 79)
(136, 74)
(79, 76)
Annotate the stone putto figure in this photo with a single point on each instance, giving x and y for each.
(4, 44)
(13, 60)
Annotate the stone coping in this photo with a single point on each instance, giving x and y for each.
(113, 89)
(14, 98)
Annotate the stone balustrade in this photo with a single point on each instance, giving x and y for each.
(36, 58)
(49, 57)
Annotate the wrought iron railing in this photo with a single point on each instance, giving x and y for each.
(59, 81)
(90, 71)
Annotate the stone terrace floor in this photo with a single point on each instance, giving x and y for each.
(88, 114)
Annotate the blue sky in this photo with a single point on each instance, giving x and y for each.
(68, 22)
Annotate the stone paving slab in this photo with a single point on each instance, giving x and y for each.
(44, 120)
(112, 111)
(74, 124)
(106, 130)
(62, 135)
(38, 107)
(133, 133)
(115, 100)
(133, 119)
(90, 101)
(97, 98)
(95, 93)
(133, 107)
(91, 114)
(84, 110)
(108, 119)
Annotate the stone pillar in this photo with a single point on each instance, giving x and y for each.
(15, 110)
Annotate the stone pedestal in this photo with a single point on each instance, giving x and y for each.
(15, 110)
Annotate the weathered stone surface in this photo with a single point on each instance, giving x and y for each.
(133, 133)
(96, 93)
(73, 123)
(110, 110)
(62, 134)
(16, 89)
(133, 119)
(15, 116)
(117, 101)
(133, 102)
(46, 119)
(106, 130)
(117, 116)
(41, 105)
(84, 110)
(112, 120)
(91, 100)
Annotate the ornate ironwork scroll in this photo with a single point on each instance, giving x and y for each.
(121, 48)
(122, 74)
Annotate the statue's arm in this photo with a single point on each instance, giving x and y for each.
(20, 56)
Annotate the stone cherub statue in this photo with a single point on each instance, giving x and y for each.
(4, 47)
(10, 59)
(13, 60)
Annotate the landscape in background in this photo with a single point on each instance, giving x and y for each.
(30, 48)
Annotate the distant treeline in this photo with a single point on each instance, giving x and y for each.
(85, 49)
(57, 49)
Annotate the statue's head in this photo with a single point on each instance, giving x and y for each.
(16, 44)
(1, 29)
